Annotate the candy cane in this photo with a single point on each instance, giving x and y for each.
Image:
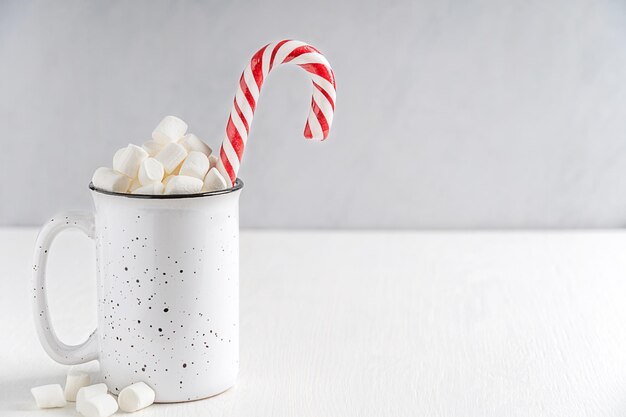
(322, 104)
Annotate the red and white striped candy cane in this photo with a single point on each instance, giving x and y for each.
(270, 56)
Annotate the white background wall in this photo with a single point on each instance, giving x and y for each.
(473, 114)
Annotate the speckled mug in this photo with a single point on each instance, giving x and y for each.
(168, 291)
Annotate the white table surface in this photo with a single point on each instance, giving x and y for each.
(375, 324)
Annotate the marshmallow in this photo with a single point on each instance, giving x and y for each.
(193, 143)
(92, 368)
(49, 396)
(214, 181)
(152, 147)
(128, 161)
(213, 161)
(109, 180)
(103, 405)
(150, 171)
(181, 184)
(196, 165)
(135, 397)
(152, 189)
(166, 179)
(134, 184)
(85, 393)
(170, 129)
(74, 381)
(171, 156)
(118, 155)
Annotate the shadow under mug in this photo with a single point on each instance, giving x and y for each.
(168, 291)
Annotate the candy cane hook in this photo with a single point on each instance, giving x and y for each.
(270, 56)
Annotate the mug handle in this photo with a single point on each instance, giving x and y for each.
(55, 348)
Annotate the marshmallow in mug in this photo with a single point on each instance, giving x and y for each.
(193, 143)
(196, 165)
(151, 189)
(170, 129)
(152, 147)
(171, 156)
(127, 160)
(172, 153)
(182, 184)
(214, 181)
(110, 180)
(150, 171)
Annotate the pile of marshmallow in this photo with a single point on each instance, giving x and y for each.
(92, 400)
(172, 162)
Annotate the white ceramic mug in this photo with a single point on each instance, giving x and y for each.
(168, 291)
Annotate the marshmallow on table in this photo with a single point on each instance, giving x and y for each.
(127, 162)
(152, 147)
(86, 393)
(110, 180)
(193, 143)
(170, 129)
(212, 161)
(181, 184)
(135, 397)
(150, 171)
(152, 189)
(91, 368)
(49, 396)
(171, 156)
(196, 165)
(74, 381)
(214, 181)
(103, 405)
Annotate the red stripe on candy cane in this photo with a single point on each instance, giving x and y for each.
(246, 92)
(307, 131)
(321, 70)
(304, 49)
(276, 48)
(321, 118)
(242, 117)
(235, 138)
(328, 97)
(257, 66)
(227, 166)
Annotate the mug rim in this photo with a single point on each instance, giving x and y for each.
(237, 186)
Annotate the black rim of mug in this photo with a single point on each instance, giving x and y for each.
(238, 186)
